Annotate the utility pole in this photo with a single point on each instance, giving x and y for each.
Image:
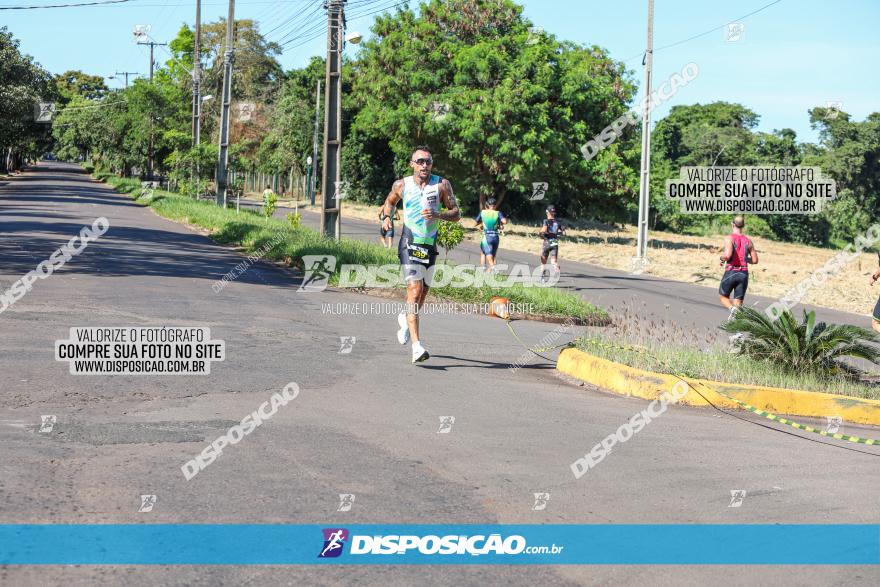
(330, 218)
(641, 258)
(126, 74)
(152, 45)
(313, 177)
(197, 77)
(197, 96)
(223, 158)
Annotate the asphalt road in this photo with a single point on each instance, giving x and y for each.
(365, 422)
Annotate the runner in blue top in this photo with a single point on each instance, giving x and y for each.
(422, 194)
(492, 221)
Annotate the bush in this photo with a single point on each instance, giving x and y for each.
(449, 235)
(270, 203)
(808, 230)
(294, 220)
(805, 346)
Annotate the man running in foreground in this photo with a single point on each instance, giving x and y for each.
(491, 220)
(738, 253)
(551, 230)
(422, 193)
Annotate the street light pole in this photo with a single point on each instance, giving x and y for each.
(641, 259)
(223, 158)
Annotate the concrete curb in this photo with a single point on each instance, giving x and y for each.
(630, 381)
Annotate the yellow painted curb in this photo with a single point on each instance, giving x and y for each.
(634, 382)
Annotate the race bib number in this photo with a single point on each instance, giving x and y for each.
(418, 254)
(553, 242)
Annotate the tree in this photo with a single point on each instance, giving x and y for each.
(23, 85)
(697, 135)
(288, 138)
(851, 155)
(74, 83)
(517, 111)
(257, 75)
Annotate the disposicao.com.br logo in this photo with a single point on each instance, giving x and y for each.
(431, 544)
(319, 268)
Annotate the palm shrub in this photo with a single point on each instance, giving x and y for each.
(801, 346)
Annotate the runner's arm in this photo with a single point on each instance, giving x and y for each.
(390, 204)
(452, 214)
(754, 253)
(728, 249)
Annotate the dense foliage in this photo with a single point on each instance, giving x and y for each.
(501, 105)
(23, 85)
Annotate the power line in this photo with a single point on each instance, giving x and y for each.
(303, 41)
(703, 34)
(276, 11)
(137, 4)
(305, 18)
(310, 29)
(101, 2)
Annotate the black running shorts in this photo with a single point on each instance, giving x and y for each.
(736, 282)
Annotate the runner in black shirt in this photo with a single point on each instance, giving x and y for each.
(551, 230)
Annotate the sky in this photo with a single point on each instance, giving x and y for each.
(791, 56)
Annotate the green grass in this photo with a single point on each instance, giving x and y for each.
(251, 231)
(719, 365)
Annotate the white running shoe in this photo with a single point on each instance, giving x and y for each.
(403, 332)
(419, 353)
(733, 311)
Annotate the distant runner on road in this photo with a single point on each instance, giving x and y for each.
(551, 230)
(739, 251)
(422, 193)
(492, 220)
(386, 237)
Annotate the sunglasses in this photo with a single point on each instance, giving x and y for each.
(423, 161)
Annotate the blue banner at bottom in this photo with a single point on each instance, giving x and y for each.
(276, 544)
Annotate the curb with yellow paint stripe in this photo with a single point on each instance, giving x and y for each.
(630, 381)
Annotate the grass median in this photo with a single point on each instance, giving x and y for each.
(718, 364)
(280, 241)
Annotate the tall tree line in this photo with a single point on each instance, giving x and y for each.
(502, 104)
